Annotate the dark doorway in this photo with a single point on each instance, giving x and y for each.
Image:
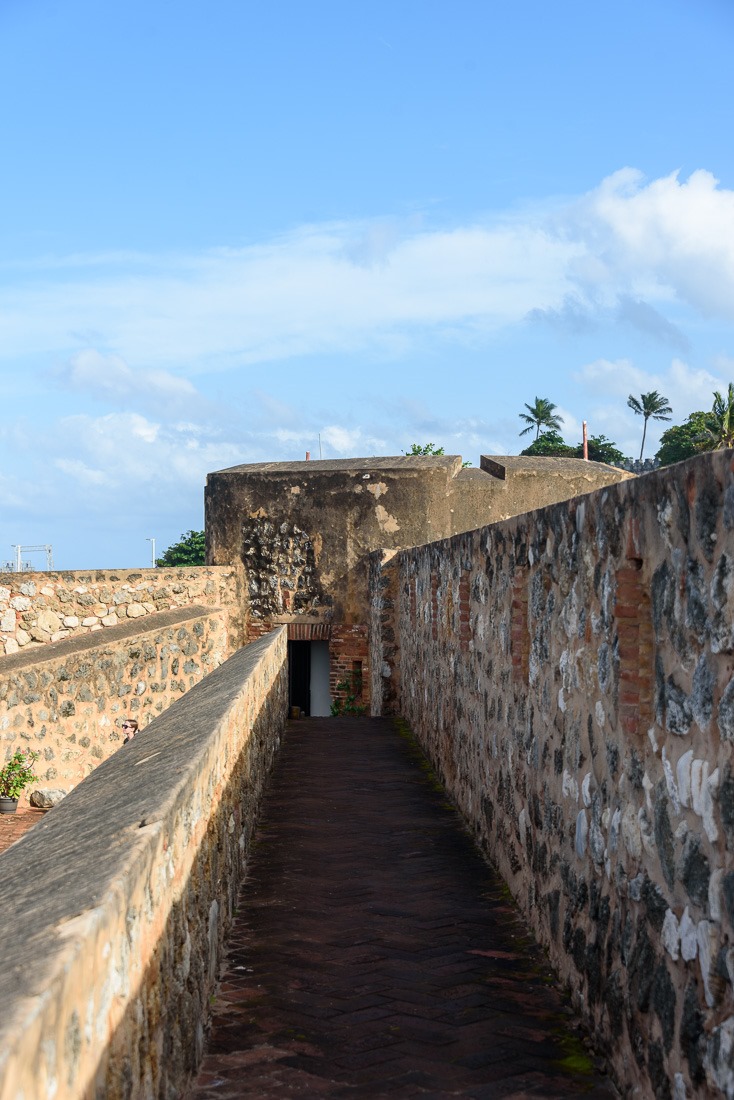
(299, 676)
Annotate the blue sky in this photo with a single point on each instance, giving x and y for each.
(229, 228)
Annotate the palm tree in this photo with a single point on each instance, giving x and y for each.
(540, 416)
(653, 406)
(722, 416)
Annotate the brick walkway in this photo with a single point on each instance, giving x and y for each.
(13, 826)
(375, 954)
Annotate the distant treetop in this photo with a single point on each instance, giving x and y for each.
(424, 449)
(542, 416)
(189, 550)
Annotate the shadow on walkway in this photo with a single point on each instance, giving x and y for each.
(375, 954)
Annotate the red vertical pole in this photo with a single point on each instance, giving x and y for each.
(586, 444)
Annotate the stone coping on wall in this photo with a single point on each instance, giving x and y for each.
(38, 609)
(349, 465)
(113, 908)
(500, 466)
(135, 628)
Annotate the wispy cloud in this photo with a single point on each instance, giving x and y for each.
(651, 323)
(129, 341)
(109, 378)
(606, 385)
(122, 449)
(642, 249)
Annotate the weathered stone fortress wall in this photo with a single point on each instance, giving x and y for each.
(67, 700)
(303, 532)
(41, 608)
(106, 985)
(571, 674)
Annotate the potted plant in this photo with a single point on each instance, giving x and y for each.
(17, 774)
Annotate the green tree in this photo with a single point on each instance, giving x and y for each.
(652, 406)
(549, 445)
(189, 550)
(541, 415)
(428, 449)
(424, 449)
(684, 440)
(601, 449)
(721, 430)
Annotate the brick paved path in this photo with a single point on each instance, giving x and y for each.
(375, 954)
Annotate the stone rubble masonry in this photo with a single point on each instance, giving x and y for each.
(41, 608)
(587, 734)
(385, 663)
(107, 980)
(67, 700)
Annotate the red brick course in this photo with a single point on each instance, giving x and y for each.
(633, 620)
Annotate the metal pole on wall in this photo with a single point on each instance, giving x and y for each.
(152, 552)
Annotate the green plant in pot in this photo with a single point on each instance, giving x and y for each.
(15, 776)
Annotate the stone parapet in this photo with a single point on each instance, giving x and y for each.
(571, 674)
(67, 700)
(41, 608)
(115, 907)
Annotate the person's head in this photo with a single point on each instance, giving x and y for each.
(129, 727)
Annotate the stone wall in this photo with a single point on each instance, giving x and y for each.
(42, 608)
(570, 673)
(127, 890)
(67, 700)
(384, 647)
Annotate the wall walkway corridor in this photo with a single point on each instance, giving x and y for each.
(374, 952)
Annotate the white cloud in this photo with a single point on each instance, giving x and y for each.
(632, 250)
(685, 387)
(108, 377)
(336, 441)
(82, 473)
(298, 295)
(607, 385)
(676, 235)
(122, 449)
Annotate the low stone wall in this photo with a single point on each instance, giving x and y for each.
(115, 907)
(570, 673)
(41, 608)
(67, 700)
